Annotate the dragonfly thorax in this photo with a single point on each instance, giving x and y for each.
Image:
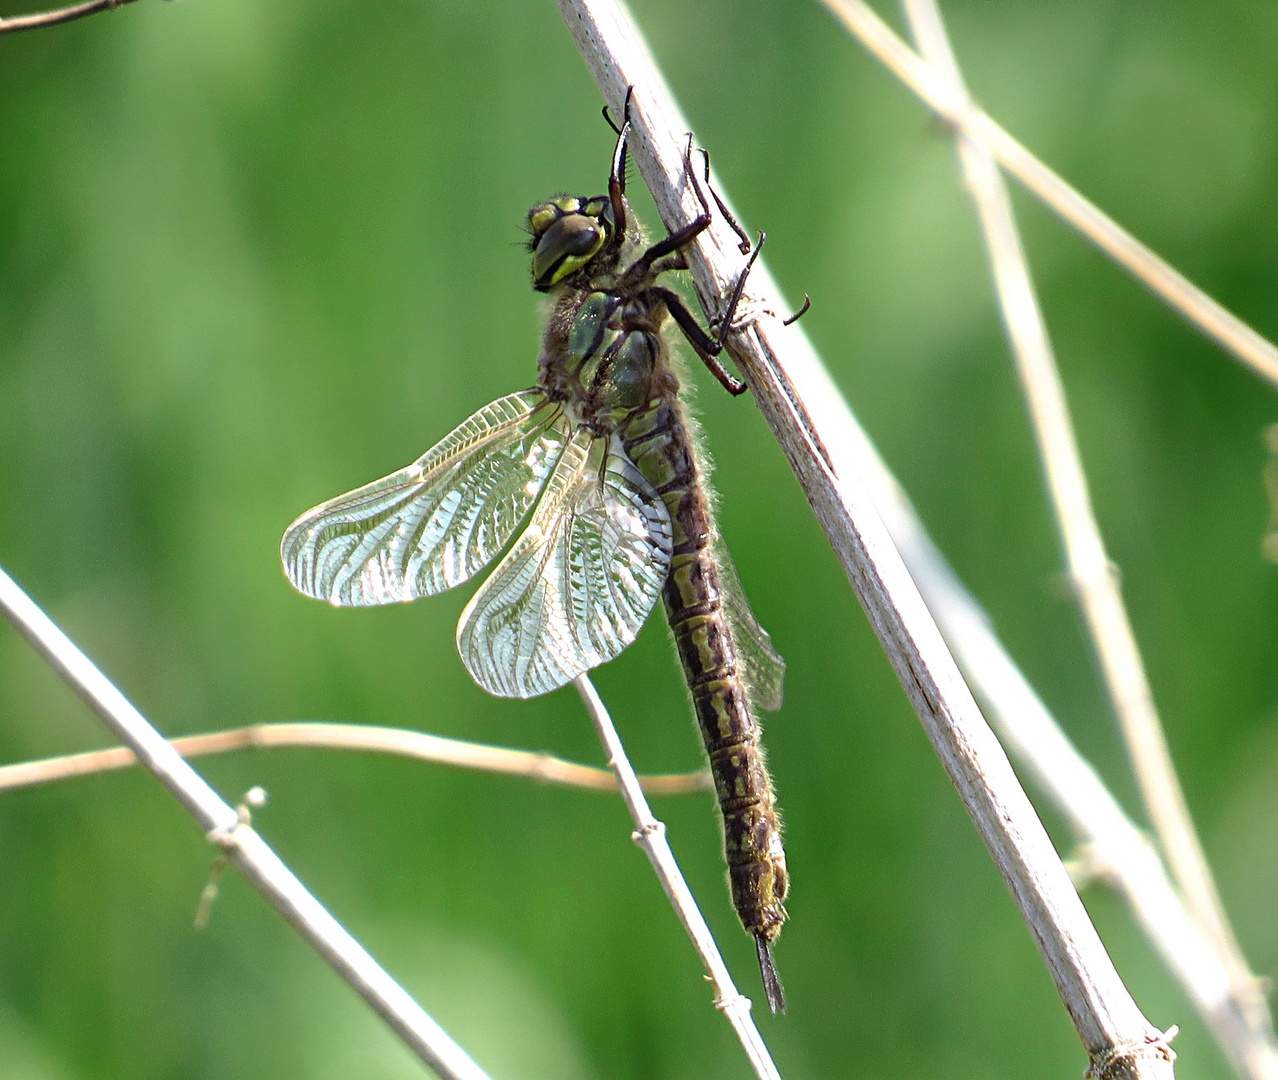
(603, 366)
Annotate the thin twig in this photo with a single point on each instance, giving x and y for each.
(255, 859)
(379, 740)
(1090, 569)
(1120, 851)
(1269, 545)
(938, 93)
(41, 19)
(799, 404)
(650, 835)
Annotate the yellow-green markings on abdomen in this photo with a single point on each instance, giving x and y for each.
(659, 443)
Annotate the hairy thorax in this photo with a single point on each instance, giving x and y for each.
(604, 357)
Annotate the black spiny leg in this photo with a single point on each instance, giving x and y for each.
(744, 245)
(617, 181)
(643, 267)
(608, 116)
(807, 303)
(707, 347)
(617, 178)
(703, 344)
(667, 254)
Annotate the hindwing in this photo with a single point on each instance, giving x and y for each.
(577, 585)
(762, 669)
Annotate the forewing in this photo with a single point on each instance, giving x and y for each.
(763, 669)
(435, 523)
(576, 587)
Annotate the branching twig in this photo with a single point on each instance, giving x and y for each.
(796, 399)
(41, 19)
(650, 835)
(1124, 858)
(246, 849)
(820, 438)
(380, 740)
(1089, 566)
(939, 94)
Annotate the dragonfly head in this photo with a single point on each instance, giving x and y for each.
(567, 234)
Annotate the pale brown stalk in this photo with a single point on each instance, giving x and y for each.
(240, 843)
(39, 20)
(650, 835)
(397, 742)
(939, 94)
(1091, 572)
(794, 396)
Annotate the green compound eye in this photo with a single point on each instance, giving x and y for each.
(565, 247)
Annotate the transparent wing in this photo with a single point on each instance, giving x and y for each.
(438, 521)
(578, 584)
(763, 669)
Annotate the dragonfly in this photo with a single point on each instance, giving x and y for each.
(590, 492)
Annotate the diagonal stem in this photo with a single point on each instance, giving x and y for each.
(650, 835)
(256, 860)
(805, 413)
(15, 23)
(939, 94)
(1125, 858)
(1090, 569)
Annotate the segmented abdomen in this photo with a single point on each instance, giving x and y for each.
(658, 441)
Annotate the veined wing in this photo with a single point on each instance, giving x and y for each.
(577, 586)
(435, 523)
(762, 668)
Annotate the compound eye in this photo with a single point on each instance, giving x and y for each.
(565, 247)
(579, 235)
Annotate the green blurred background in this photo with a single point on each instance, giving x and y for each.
(256, 252)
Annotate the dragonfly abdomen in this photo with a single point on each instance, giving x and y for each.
(752, 835)
(659, 443)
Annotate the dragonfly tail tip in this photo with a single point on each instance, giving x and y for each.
(771, 980)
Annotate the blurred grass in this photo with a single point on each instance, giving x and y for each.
(255, 253)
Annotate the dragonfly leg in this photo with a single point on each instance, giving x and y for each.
(668, 254)
(705, 346)
(617, 177)
(744, 245)
(807, 303)
(676, 260)
(643, 266)
(625, 111)
(725, 322)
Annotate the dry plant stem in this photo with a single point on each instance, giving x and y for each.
(938, 93)
(255, 859)
(1124, 857)
(381, 740)
(650, 835)
(42, 19)
(1090, 569)
(803, 410)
